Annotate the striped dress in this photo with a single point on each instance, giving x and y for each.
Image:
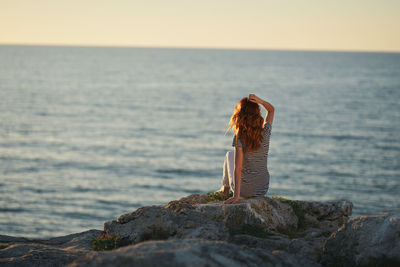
(255, 175)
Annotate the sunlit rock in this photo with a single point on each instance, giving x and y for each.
(276, 224)
(190, 218)
(159, 223)
(196, 230)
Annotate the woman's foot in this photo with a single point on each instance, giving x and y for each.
(224, 190)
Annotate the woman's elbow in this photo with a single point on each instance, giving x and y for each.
(271, 109)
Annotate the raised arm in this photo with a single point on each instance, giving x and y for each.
(270, 109)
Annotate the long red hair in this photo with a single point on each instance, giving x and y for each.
(247, 122)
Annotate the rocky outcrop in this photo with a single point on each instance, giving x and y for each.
(297, 228)
(252, 232)
(190, 217)
(207, 221)
(365, 241)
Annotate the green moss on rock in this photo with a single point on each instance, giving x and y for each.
(217, 196)
(105, 242)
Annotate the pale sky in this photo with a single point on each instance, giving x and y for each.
(355, 25)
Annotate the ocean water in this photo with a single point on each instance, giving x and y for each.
(90, 133)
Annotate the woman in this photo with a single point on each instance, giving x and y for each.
(245, 169)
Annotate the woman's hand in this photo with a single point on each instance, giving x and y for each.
(255, 99)
(231, 200)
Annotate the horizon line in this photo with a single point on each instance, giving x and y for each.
(204, 47)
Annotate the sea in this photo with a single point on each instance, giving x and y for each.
(90, 133)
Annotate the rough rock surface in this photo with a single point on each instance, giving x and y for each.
(325, 215)
(365, 241)
(191, 218)
(308, 244)
(190, 252)
(191, 231)
(58, 251)
(270, 214)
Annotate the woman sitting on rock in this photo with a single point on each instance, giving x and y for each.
(245, 169)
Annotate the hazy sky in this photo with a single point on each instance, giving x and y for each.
(372, 25)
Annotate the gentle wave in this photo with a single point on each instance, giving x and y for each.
(327, 136)
(13, 210)
(168, 188)
(186, 172)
